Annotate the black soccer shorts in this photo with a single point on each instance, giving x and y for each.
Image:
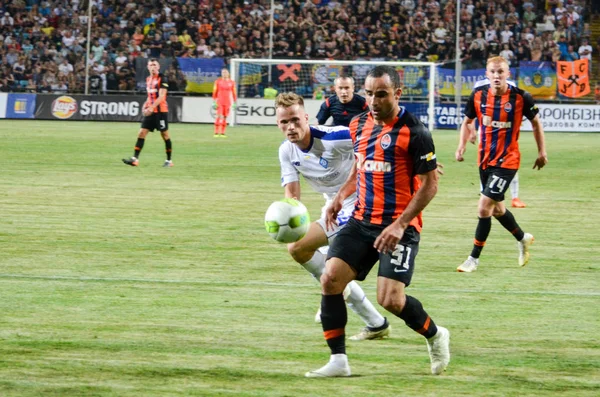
(354, 245)
(495, 181)
(156, 121)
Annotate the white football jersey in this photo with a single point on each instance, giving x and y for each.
(325, 165)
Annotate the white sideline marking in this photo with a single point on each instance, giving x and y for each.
(276, 284)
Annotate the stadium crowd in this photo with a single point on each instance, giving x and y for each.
(43, 43)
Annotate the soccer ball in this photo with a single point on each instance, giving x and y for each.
(287, 220)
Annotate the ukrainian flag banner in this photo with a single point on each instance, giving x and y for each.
(538, 78)
(447, 80)
(201, 74)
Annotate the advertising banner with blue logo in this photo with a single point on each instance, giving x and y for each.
(20, 106)
(445, 114)
(201, 74)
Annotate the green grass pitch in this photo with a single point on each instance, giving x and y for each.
(147, 281)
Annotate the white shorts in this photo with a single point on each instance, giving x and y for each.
(342, 217)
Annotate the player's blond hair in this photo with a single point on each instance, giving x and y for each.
(287, 99)
(497, 59)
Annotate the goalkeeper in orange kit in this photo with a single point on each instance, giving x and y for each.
(224, 97)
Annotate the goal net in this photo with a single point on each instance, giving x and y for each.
(313, 79)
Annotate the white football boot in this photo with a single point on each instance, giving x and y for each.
(524, 248)
(468, 266)
(439, 350)
(336, 367)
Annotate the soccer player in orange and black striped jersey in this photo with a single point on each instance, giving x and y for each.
(155, 111)
(499, 107)
(395, 178)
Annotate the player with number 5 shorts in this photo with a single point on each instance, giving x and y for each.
(155, 112)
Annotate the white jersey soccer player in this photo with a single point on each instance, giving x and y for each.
(324, 166)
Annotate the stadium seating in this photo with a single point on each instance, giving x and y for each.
(46, 32)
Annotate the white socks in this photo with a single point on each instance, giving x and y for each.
(514, 186)
(357, 301)
(316, 265)
(362, 306)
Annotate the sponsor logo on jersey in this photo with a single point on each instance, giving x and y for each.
(507, 107)
(386, 141)
(375, 166)
(296, 163)
(487, 121)
(324, 163)
(64, 107)
(428, 157)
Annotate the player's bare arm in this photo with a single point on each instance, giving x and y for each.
(292, 190)
(348, 188)
(465, 132)
(391, 235)
(472, 133)
(538, 134)
(162, 97)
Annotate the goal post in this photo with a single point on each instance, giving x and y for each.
(304, 77)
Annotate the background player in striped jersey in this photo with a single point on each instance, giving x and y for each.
(342, 106)
(499, 108)
(394, 179)
(224, 97)
(155, 111)
(323, 156)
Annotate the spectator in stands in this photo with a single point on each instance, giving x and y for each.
(507, 54)
(7, 20)
(585, 50)
(506, 34)
(387, 29)
(571, 55)
(18, 69)
(65, 67)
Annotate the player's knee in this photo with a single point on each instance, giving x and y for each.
(330, 284)
(498, 212)
(485, 212)
(299, 253)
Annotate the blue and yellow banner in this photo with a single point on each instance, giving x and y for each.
(538, 78)
(20, 106)
(446, 81)
(250, 74)
(201, 74)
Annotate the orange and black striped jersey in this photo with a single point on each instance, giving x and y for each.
(389, 159)
(499, 119)
(153, 85)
